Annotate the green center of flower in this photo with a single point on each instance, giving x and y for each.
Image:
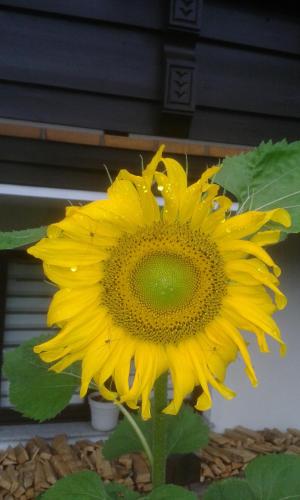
(164, 282)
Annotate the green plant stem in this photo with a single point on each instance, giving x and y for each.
(138, 432)
(159, 436)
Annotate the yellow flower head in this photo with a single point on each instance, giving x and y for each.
(160, 289)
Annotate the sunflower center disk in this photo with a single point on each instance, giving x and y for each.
(164, 282)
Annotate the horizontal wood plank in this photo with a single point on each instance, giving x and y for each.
(40, 52)
(108, 60)
(147, 14)
(138, 117)
(245, 23)
(247, 81)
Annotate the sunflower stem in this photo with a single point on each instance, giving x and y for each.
(159, 436)
(138, 432)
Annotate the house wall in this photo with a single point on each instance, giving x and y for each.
(215, 70)
(276, 400)
(107, 65)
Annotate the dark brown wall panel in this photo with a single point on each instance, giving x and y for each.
(258, 24)
(103, 65)
(56, 164)
(71, 54)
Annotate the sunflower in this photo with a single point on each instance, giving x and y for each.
(160, 289)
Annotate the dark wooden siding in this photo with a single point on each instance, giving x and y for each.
(74, 166)
(103, 65)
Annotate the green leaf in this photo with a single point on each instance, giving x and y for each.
(124, 439)
(275, 477)
(170, 492)
(187, 431)
(14, 239)
(267, 177)
(81, 485)
(35, 391)
(117, 491)
(229, 489)
(272, 477)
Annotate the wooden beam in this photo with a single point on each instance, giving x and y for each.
(91, 137)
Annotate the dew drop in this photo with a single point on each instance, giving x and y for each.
(73, 269)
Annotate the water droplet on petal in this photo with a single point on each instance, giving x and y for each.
(73, 269)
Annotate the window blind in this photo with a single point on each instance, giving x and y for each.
(28, 296)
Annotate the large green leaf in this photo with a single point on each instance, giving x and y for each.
(81, 485)
(35, 391)
(171, 492)
(14, 239)
(275, 477)
(119, 491)
(229, 489)
(187, 431)
(124, 439)
(265, 178)
(272, 477)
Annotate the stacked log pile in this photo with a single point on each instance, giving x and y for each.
(26, 471)
(228, 454)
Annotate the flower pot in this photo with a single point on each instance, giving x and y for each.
(104, 414)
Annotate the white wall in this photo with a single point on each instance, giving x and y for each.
(276, 400)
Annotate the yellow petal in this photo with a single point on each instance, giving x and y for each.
(182, 376)
(111, 217)
(152, 166)
(125, 201)
(204, 207)
(94, 359)
(66, 362)
(115, 342)
(66, 253)
(235, 335)
(74, 335)
(238, 270)
(248, 247)
(107, 393)
(150, 363)
(149, 205)
(248, 223)
(198, 360)
(68, 302)
(81, 225)
(219, 354)
(204, 402)
(172, 187)
(122, 370)
(222, 205)
(76, 276)
(266, 237)
(193, 193)
(248, 310)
